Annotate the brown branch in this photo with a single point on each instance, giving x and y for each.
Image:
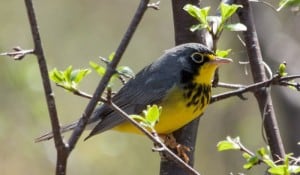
(263, 96)
(61, 147)
(78, 92)
(109, 72)
(241, 89)
(64, 150)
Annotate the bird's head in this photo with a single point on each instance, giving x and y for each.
(199, 63)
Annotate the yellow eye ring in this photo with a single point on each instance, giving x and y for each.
(197, 57)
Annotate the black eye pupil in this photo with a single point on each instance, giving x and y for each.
(197, 57)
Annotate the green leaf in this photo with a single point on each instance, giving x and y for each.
(253, 160)
(113, 78)
(246, 155)
(197, 27)
(153, 113)
(248, 166)
(67, 74)
(199, 13)
(223, 53)
(262, 152)
(269, 162)
(111, 56)
(235, 27)
(78, 75)
(150, 118)
(228, 10)
(98, 68)
(229, 144)
(68, 78)
(56, 76)
(282, 69)
(278, 170)
(265, 155)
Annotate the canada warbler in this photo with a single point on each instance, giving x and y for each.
(179, 81)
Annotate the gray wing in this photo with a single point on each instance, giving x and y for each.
(148, 87)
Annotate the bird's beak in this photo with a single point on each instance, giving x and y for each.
(219, 61)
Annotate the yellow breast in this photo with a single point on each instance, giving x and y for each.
(179, 108)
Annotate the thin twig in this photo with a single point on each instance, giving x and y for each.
(77, 92)
(241, 89)
(230, 86)
(17, 53)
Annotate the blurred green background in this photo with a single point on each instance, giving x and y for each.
(76, 32)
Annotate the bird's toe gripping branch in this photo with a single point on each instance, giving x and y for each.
(182, 150)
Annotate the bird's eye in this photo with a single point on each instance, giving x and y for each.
(197, 57)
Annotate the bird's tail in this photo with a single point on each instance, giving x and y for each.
(63, 129)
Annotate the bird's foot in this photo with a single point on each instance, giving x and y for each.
(181, 150)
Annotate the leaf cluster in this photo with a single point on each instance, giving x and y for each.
(70, 78)
(287, 167)
(214, 24)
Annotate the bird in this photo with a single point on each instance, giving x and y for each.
(179, 81)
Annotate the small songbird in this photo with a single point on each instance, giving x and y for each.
(179, 81)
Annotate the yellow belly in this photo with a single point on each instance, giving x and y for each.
(175, 114)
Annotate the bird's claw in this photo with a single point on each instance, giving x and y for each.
(182, 150)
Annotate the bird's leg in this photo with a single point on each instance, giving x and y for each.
(170, 142)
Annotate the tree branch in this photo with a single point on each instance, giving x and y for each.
(61, 147)
(109, 72)
(154, 137)
(241, 89)
(64, 150)
(186, 135)
(262, 95)
(17, 53)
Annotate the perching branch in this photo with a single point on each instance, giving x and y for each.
(161, 147)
